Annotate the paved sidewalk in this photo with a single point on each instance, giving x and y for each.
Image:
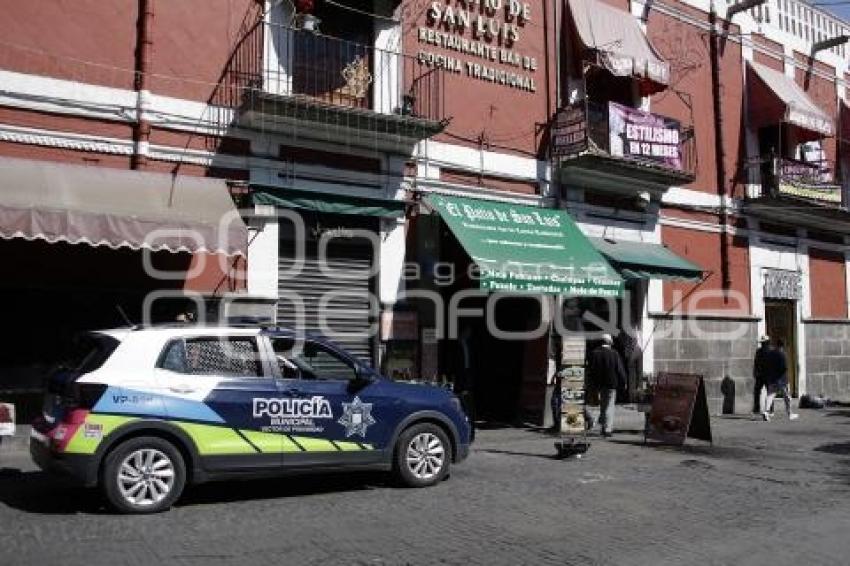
(765, 493)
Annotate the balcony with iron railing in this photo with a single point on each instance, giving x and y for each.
(813, 181)
(617, 149)
(300, 79)
(803, 193)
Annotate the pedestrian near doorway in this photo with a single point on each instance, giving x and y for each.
(759, 372)
(605, 374)
(777, 381)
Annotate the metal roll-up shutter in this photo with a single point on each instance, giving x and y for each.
(345, 286)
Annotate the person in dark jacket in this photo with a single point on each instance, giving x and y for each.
(605, 374)
(759, 372)
(777, 381)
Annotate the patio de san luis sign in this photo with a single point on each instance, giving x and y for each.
(483, 36)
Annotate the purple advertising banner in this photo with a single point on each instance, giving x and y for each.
(644, 136)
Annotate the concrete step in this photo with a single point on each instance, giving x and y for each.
(17, 443)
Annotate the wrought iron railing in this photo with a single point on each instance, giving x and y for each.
(812, 180)
(643, 138)
(317, 69)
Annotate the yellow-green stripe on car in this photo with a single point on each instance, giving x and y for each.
(216, 440)
(310, 444)
(270, 443)
(95, 428)
(210, 440)
(347, 446)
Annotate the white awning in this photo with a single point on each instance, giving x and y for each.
(100, 206)
(775, 97)
(619, 42)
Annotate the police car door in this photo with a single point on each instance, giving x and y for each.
(215, 382)
(332, 418)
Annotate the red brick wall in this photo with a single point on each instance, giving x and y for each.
(484, 114)
(90, 41)
(768, 53)
(216, 274)
(488, 181)
(93, 41)
(686, 48)
(703, 248)
(192, 42)
(61, 123)
(62, 155)
(828, 284)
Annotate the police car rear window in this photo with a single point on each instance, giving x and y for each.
(88, 352)
(237, 357)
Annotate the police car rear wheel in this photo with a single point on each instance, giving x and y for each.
(423, 455)
(143, 475)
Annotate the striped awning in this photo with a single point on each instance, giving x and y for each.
(775, 97)
(618, 41)
(102, 206)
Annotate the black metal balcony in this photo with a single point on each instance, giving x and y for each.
(612, 148)
(803, 193)
(301, 79)
(811, 181)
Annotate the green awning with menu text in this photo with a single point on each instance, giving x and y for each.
(527, 249)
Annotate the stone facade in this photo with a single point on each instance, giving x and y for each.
(828, 358)
(714, 348)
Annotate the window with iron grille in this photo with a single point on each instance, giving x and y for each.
(227, 356)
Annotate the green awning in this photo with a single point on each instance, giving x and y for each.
(641, 260)
(328, 203)
(527, 249)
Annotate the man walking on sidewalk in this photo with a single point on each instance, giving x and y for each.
(759, 372)
(777, 381)
(605, 373)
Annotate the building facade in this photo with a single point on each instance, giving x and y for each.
(699, 149)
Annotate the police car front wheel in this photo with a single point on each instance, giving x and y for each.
(143, 475)
(423, 455)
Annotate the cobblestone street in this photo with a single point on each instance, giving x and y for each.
(772, 493)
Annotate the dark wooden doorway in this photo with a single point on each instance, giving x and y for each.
(781, 324)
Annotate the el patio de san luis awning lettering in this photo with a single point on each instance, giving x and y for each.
(486, 30)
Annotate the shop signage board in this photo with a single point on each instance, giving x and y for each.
(569, 131)
(573, 350)
(783, 284)
(679, 409)
(7, 419)
(484, 41)
(527, 249)
(643, 135)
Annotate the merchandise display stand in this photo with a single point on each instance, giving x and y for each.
(572, 438)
